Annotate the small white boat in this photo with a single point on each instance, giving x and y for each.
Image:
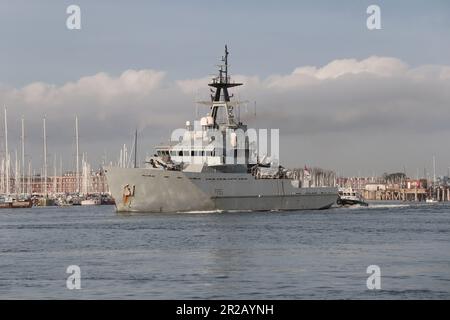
(431, 200)
(91, 202)
(350, 197)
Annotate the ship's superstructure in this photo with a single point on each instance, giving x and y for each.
(212, 165)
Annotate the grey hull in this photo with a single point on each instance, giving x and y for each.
(154, 190)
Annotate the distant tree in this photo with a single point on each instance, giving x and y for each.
(397, 177)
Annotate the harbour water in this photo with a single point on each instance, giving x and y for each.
(241, 255)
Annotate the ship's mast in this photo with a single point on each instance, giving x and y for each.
(221, 84)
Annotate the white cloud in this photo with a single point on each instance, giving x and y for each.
(101, 87)
(349, 100)
(380, 66)
(376, 66)
(191, 86)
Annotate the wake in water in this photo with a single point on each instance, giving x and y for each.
(375, 206)
(388, 206)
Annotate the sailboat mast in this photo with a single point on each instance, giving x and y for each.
(7, 164)
(434, 171)
(23, 156)
(2, 175)
(77, 175)
(83, 175)
(16, 174)
(55, 186)
(135, 149)
(29, 179)
(45, 158)
(61, 188)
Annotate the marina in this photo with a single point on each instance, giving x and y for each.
(22, 187)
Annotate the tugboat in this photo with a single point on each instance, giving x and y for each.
(349, 197)
(208, 168)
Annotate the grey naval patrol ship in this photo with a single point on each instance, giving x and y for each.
(210, 168)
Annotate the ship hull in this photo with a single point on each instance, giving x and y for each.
(150, 190)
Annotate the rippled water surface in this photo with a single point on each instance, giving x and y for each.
(259, 255)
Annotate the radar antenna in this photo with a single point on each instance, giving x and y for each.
(223, 81)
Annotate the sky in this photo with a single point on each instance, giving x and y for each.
(344, 97)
